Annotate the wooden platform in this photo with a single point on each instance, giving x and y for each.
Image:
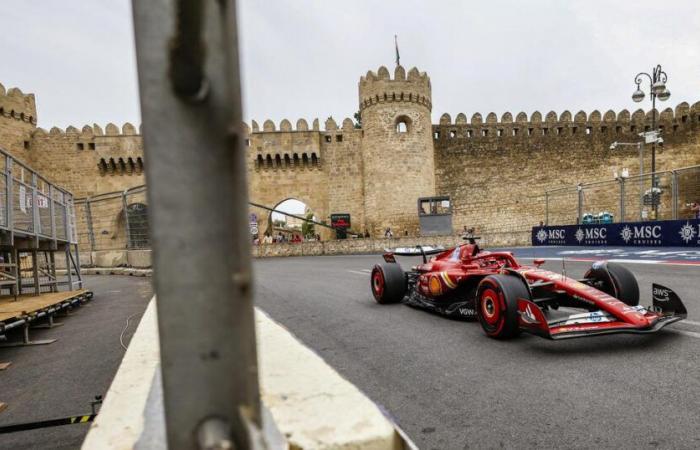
(29, 304)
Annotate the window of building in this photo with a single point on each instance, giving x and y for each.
(436, 135)
(589, 130)
(675, 128)
(80, 146)
(529, 131)
(545, 131)
(403, 124)
(484, 133)
(500, 132)
(603, 129)
(560, 130)
(647, 128)
(91, 146)
(515, 131)
(470, 133)
(684, 119)
(618, 129)
(633, 129)
(574, 130)
(26, 145)
(328, 138)
(338, 138)
(453, 134)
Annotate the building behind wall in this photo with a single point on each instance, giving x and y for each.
(495, 169)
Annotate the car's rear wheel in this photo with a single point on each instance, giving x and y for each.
(497, 305)
(388, 283)
(615, 280)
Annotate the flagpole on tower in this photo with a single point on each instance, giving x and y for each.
(396, 45)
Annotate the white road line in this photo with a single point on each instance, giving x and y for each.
(357, 272)
(691, 322)
(624, 261)
(687, 333)
(366, 270)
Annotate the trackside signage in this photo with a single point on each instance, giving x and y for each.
(666, 233)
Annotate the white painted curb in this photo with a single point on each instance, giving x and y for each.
(311, 404)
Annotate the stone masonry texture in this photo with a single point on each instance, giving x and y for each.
(495, 170)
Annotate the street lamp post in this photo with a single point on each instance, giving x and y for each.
(657, 88)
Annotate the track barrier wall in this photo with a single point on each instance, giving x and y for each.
(664, 233)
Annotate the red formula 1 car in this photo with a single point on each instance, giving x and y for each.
(508, 298)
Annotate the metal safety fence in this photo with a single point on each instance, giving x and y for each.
(114, 220)
(665, 195)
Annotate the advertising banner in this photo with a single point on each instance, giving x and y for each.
(666, 233)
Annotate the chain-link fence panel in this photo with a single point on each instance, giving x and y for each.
(561, 206)
(600, 202)
(137, 218)
(649, 197)
(687, 192)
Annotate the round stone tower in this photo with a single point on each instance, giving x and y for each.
(397, 148)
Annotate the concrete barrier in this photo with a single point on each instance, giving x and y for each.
(308, 401)
(141, 259)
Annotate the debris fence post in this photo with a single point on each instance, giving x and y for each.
(187, 55)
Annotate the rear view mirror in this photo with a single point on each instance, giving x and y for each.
(538, 261)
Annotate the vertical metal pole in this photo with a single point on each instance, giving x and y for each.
(580, 203)
(9, 191)
(88, 219)
(641, 180)
(194, 136)
(69, 269)
(52, 261)
(52, 212)
(622, 200)
(126, 221)
(674, 193)
(35, 272)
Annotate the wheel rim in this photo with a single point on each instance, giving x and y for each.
(490, 309)
(377, 283)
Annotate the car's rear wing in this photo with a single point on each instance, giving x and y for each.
(424, 251)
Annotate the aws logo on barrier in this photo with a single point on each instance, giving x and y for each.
(641, 234)
(592, 235)
(555, 236)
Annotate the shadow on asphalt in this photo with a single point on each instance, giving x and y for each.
(600, 345)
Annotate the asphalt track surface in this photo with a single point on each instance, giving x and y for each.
(60, 379)
(450, 387)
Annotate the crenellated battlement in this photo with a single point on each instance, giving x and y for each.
(15, 104)
(89, 131)
(668, 120)
(285, 126)
(377, 88)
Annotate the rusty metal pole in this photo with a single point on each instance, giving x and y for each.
(187, 54)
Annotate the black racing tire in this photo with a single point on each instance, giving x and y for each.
(497, 305)
(617, 281)
(388, 283)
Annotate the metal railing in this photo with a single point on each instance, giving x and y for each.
(629, 199)
(32, 207)
(113, 220)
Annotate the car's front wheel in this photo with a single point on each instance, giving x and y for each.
(615, 280)
(497, 305)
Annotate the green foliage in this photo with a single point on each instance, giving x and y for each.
(358, 119)
(308, 228)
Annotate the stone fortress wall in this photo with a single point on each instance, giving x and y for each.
(495, 171)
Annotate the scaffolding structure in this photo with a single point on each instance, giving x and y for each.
(37, 230)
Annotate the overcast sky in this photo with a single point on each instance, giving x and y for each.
(303, 58)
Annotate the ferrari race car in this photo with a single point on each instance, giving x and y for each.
(507, 298)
